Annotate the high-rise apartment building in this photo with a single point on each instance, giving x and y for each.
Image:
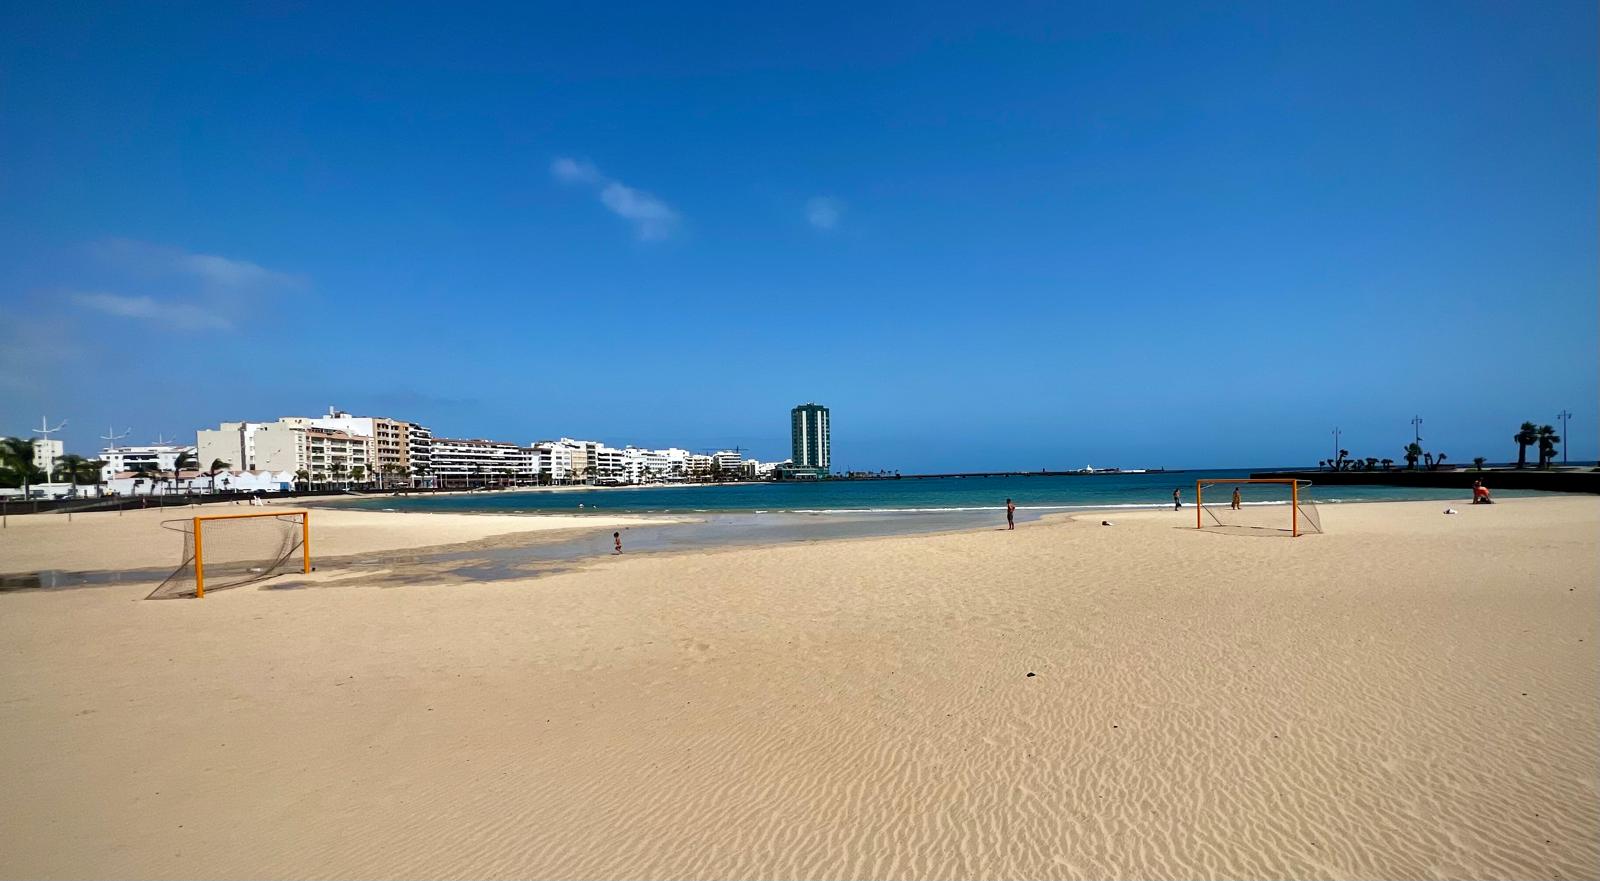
(809, 432)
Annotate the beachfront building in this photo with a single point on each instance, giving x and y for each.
(232, 442)
(46, 452)
(152, 457)
(323, 455)
(608, 464)
(583, 457)
(419, 454)
(811, 439)
(553, 462)
(727, 464)
(697, 466)
(393, 450)
(392, 440)
(463, 462)
(294, 444)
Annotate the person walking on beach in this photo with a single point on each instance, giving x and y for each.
(1235, 498)
(1011, 514)
(617, 538)
(1177, 499)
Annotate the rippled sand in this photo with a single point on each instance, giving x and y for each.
(1409, 695)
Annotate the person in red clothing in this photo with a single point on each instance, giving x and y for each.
(1480, 494)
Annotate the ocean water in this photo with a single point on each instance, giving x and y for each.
(933, 496)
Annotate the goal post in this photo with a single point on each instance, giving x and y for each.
(227, 550)
(1271, 505)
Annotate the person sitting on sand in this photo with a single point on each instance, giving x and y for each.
(1011, 514)
(1480, 494)
(1177, 499)
(617, 537)
(1235, 498)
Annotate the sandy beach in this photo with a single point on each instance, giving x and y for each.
(1408, 695)
(135, 539)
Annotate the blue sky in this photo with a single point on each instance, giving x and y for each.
(1119, 234)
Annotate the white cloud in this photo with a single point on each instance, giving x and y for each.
(574, 172)
(235, 274)
(220, 274)
(169, 314)
(652, 218)
(177, 289)
(823, 212)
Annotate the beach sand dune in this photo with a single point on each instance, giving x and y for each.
(1408, 695)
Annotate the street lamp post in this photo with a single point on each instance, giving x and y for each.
(1416, 427)
(1564, 415)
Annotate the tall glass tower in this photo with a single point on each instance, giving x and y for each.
(809, 432)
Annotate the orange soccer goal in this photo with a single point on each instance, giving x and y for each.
(227, 550)
(1264, 506)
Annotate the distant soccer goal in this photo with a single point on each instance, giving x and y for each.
(1279, 506)
(227, 550)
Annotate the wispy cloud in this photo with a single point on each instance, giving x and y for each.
(178, 289)
(652, 218)
(174, 315)
(214, 272)
(824, 212)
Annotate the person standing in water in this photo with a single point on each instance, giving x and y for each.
(1011, 514)
(617, 538)
(1177, 499)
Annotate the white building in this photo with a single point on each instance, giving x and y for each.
(419, 454)
(608, 465)
(726, 463)
(153, 457)
(553, 462)
(478, 462)
(232, 442)
(390, 438)
(697, 467)
(46, 452)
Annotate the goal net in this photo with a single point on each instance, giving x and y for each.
(1256, 507)
(227, 550)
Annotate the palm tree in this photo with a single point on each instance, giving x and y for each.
(216, 466)
(1338, 464)
(303, 476)
(1525, 437)
(17, 455)
(1437, 462)
(1372, 463)
(1478, 462)
(1413, 453)
(358, 473)
(180, 463)
(336, 470)
(71, 465)
(1388, 464)
(1547, 438)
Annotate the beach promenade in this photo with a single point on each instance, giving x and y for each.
(1410, 694)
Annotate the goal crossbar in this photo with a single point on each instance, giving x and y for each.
(1295, 486)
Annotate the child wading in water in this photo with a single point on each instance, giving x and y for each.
(617, 538)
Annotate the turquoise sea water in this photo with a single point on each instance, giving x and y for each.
(941, 495)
